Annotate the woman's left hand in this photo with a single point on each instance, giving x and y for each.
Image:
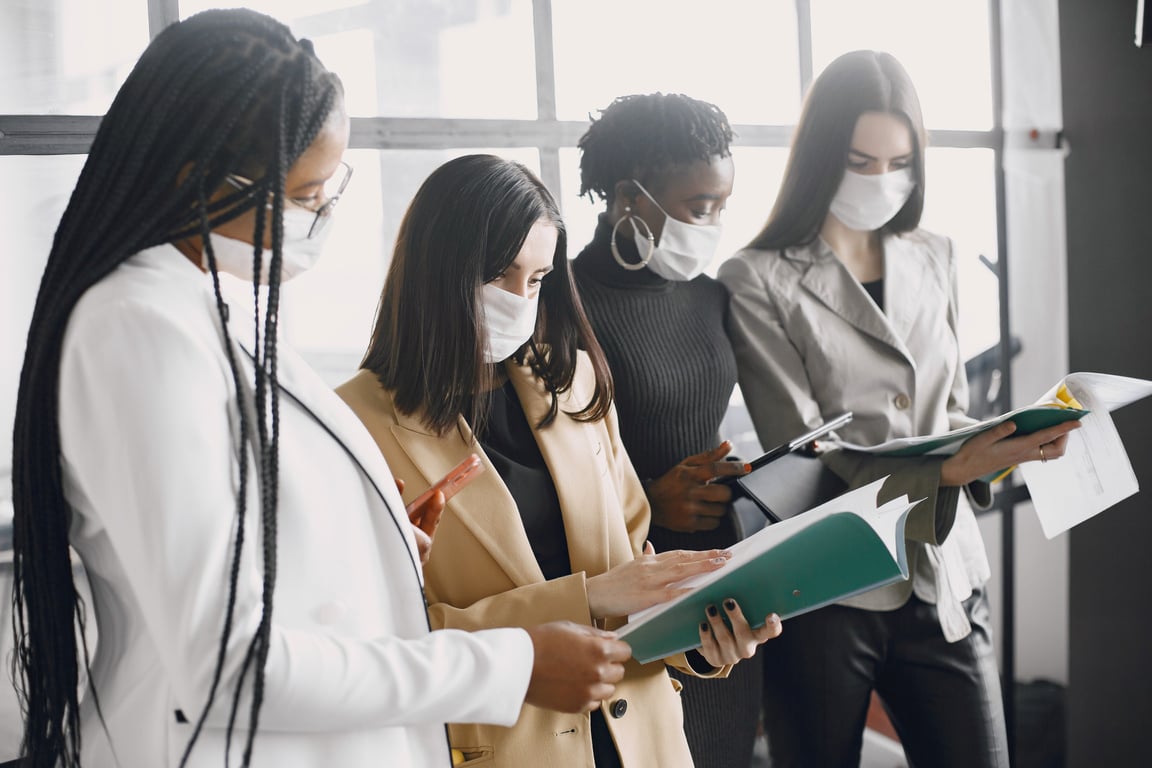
(424, 519)
(722, 646)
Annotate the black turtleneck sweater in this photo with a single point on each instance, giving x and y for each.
(674, 371)
(671, 361)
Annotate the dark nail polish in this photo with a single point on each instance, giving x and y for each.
(729, 604)
(704, 626)
(712, 610)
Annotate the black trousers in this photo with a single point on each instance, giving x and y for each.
(943, 698)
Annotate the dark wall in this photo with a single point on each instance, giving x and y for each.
(1107, 93)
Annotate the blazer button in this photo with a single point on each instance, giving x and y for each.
(619, 707)
(902, 401)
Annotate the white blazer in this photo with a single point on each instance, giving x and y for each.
(150, 446)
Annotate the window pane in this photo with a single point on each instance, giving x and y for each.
(68, 56)
(738, 54)
(944, 45)
(415, 58)
(758, 174)
(961, 203)
(328, 311)
(32, 199)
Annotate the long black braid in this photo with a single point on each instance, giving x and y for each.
(643, 136)
(222, 92)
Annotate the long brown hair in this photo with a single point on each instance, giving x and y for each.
(463, 229)
(855, 83)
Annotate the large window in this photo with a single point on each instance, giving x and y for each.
(430, 79)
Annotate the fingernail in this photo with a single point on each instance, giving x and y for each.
(747, 467)
(774, 619)
(704, 626)
(711, 610)
(729, 604)
(719, 560)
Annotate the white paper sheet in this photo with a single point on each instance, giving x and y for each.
(1094, 472)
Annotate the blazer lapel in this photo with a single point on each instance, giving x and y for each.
(575, 459)
(905, 289)
(826, 278)
(485, 506)
(299, 381)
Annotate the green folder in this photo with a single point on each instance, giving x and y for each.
(1028, 420)
(841, 548)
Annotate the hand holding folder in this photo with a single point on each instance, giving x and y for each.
(842, 548)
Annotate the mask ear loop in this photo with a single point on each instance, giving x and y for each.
(647, 234)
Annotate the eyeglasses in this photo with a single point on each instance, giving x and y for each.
(330, 195)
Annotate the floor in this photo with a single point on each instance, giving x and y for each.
(879, 752)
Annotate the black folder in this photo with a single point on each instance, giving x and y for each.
(790, 478)
(791, 484)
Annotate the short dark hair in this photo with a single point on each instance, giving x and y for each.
(223, 91)
(465, 226)
(642, 137)
(855, 83)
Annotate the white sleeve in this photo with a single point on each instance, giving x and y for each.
(146, 415)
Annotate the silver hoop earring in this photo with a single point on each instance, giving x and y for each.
(647, 233)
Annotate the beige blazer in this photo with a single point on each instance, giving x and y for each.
(810, 343)
(482, 572)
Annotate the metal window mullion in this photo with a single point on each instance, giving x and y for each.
(546, 94)
(73, 134)
(1007, 507)
(804, 44)
(161, 13)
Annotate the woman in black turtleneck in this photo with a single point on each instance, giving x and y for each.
(662, 164)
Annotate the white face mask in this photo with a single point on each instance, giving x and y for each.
(299, 253)
(867, 202)
(685, 250)
(510, 320)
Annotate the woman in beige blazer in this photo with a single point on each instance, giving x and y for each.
(461, 362)
(843, 303)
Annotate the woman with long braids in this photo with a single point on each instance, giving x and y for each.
(256, 583)
(480, 293)
(663, 166)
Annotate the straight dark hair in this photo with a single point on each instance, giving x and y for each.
(855, 83)
(464, 228)
(222, 92)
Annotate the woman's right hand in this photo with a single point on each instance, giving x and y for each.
(574, 666)
(647, 580)
(685, 499)
(996, 449)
